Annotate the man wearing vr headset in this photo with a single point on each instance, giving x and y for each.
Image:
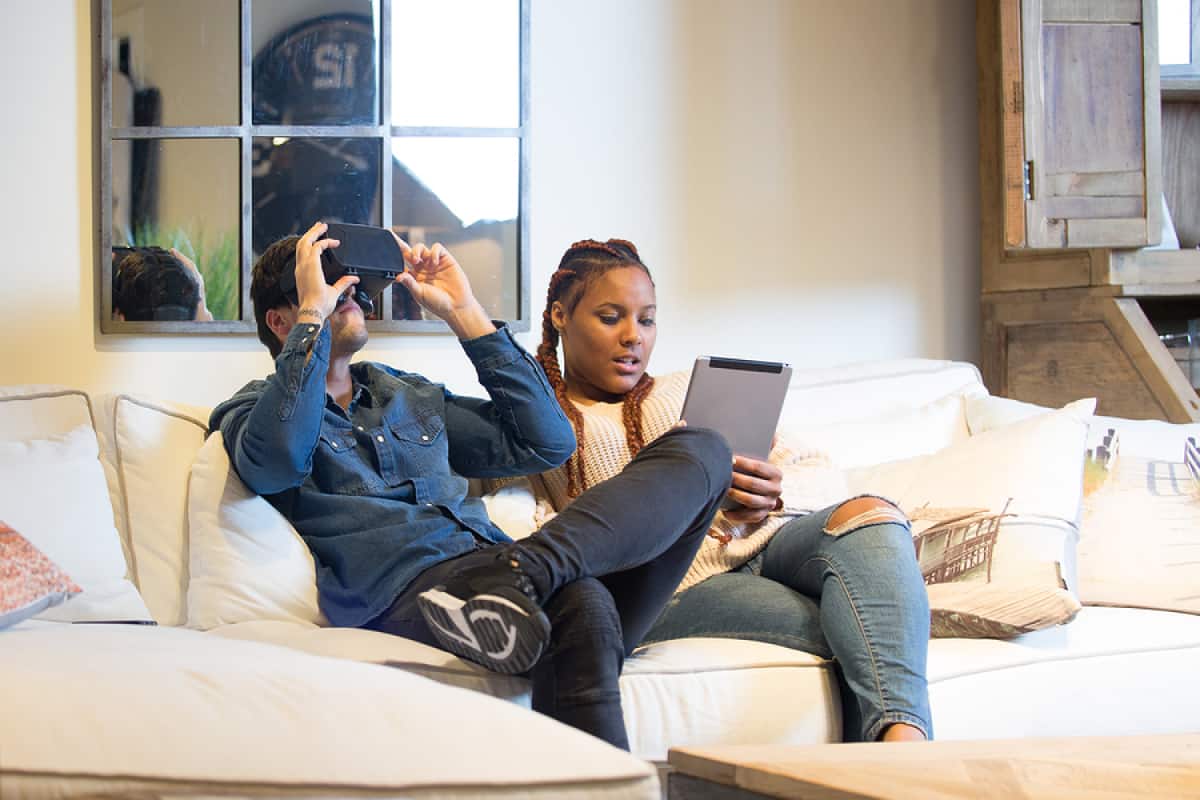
(370, 464)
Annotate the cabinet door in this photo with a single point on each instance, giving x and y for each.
(1092, 171)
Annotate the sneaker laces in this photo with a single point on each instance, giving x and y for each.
(523, 582)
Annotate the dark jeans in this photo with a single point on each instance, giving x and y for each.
(607, 565)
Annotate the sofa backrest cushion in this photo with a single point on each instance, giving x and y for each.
(53, 490)
(246, 561)
(152, 444)
(902, 433)
(37, 411)
(873, 390)
(879, 411)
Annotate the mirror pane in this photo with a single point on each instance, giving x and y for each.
(298, 181)
(463, 192)
(479, 86)
(1174, 32)
(314, 62)
(158, 201)
(175, 63)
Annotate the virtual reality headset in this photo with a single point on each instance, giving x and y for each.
(369, 252)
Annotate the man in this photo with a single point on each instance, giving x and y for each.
(370, 465)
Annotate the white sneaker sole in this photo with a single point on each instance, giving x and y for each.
(489, 629)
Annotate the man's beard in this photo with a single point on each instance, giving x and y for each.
(349, 338)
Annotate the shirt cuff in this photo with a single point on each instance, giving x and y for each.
(493, 349)
(294, 364)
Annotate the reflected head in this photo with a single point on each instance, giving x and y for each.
(151, 284)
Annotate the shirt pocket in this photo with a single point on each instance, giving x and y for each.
(421, 446)
(337, 464)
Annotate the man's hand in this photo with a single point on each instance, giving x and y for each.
(438, 283)
(317, 298)
(757, 488)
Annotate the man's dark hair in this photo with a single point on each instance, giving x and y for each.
(150, 283)
(265, 293)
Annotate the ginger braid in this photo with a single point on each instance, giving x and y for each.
(583, 262)
(547, 356)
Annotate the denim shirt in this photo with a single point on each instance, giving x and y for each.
(379, 491)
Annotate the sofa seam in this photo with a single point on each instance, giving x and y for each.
(133, 566)
(1064, 659)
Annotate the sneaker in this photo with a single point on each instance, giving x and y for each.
(489, 614)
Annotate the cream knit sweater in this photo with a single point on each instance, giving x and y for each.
(810, 481)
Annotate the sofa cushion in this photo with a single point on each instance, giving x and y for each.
(127, 710)
(989, 575)
(683, 692)
(246, 561)
(152, 445)
(1112, 671)
(53, 490)
(29, 581)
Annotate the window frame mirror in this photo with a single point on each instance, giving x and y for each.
(235, 314)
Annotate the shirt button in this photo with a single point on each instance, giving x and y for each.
(379, 438)
(424, 438)
(360, 427)
(305, 339)
(335, 445)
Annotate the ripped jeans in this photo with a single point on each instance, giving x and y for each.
(853, 593)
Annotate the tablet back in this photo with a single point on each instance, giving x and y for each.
(741, 399)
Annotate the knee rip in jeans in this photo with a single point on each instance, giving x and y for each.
(860, 512)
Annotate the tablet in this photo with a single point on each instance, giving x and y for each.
(741, 399)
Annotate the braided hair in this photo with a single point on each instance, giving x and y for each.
(583, 263)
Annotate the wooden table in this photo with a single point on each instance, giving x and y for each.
(1166, 766)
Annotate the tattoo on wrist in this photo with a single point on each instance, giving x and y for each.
(309, 311)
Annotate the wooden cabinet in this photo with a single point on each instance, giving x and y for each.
(1075, 139)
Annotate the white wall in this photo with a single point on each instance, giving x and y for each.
(800, 175)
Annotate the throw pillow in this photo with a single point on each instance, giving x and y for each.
(246, 561)
(154, 444)
(1139, 537)
(54, 491)
(995, 522)
(29, 582)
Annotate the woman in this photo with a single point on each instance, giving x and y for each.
(841, 581)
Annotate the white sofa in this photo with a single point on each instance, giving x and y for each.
(241, 689)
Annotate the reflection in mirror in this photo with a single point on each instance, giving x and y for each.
(151, 284)
(314, 62)
(1174, 32)
(229, 124)
(175, 62)
(479, 86)
(463, 192)
(167, 206)
(298, 181)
